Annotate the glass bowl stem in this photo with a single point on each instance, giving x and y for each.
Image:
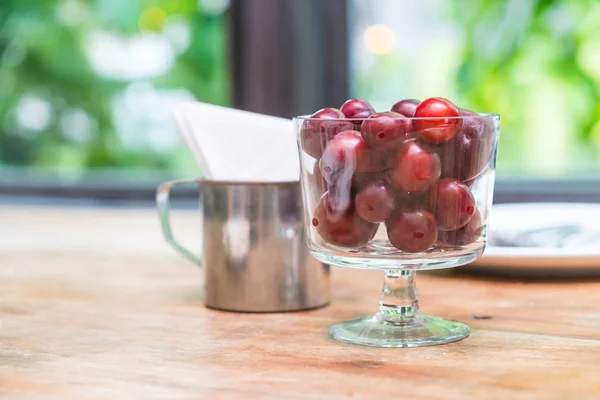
(399, 301)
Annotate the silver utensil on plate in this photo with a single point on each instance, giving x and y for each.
(560, 236)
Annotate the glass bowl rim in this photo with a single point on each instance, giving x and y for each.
(480, 115)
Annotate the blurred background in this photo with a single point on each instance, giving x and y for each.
(87, 86)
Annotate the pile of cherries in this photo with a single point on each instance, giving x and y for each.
(410, 168)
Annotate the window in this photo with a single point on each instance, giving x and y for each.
(87, 86)
(536, 63)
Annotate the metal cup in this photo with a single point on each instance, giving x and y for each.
(254, 247)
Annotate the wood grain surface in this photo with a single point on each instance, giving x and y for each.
(93, 305)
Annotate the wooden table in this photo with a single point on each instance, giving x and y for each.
(94, 305)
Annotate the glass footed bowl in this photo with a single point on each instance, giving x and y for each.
(386, 195)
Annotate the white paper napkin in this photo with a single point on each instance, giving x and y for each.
(234, 145)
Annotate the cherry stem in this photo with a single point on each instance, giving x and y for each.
(399, 301)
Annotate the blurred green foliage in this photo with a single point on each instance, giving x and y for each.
(534, 62)
(72, 73)
(542, 74)
(88, 84)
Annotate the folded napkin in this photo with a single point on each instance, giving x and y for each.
(235, 145)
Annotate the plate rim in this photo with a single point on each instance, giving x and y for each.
(540, 257)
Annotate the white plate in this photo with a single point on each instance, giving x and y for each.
(579, 230)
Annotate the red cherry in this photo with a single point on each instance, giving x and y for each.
(342, 156)
(406, 107)
(322, 126)
(469, 153)
(357, 108)
(347, 153)
(468, 234)
(414, 169)
(442, 123)
(384, 130)
(375, 202)
(341, 226)
(412, 230)
(454, 204)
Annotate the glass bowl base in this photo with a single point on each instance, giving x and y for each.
(393, 261)
(417, 331)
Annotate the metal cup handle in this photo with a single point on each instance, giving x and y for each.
(162, 201)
